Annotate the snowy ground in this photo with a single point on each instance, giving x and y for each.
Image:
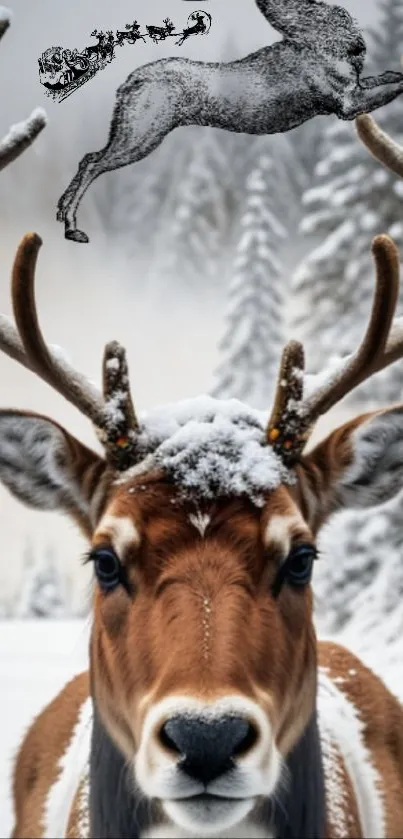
(36, 659)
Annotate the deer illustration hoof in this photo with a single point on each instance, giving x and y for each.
(76, 236)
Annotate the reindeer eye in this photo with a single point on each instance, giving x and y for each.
(299, 563)
(297, 568)
(108, 569)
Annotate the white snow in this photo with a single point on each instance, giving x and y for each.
(211, 447)
(23, 133)
(316, 382)
(113, 364)
(60, 354)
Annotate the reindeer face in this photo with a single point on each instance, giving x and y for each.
(202, 521)
(203, 651)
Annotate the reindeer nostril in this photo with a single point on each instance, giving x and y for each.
(249, 741)
(167, 741)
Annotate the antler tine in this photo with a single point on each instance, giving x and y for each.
(284, 426)
(121, 427)
(381, 146)
(375, 351)
(36, 355)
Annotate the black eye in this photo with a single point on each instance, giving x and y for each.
(296, 569)
(108, 569)
(299, 565)
(356, 49)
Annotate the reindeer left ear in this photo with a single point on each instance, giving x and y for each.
(359, 465)
(47, 468)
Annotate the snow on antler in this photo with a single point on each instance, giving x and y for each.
(21, 135)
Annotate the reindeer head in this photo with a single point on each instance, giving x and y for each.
(202, 522)
(329, 30)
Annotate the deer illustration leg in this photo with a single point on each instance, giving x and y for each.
(145, 112)
(373, 93)
(90, 167)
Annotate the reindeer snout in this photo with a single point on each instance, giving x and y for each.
(206, 749)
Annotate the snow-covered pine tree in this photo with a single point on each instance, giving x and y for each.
(192, 243)
(360, 581)
(254, 331)
(42, 593)
(352, 199)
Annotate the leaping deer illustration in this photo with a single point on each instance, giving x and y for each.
(315, 69)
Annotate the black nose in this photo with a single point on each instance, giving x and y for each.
(207, 748)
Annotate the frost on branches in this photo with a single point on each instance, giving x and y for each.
(254, 332)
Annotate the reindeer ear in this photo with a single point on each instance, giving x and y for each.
(47, 468)
(359, 465)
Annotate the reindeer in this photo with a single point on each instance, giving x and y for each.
(316, 69)
(159, 33)
(200, 23)
(109, 45)
(95, 51)
(209, 709)
(131, 35)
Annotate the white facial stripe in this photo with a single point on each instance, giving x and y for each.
(120, 530)
(280, 530)
(200, 522)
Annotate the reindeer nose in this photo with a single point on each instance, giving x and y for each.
(207, 748)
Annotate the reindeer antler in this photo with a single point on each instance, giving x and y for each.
(381, 146)
(112, 414)
(297, 408)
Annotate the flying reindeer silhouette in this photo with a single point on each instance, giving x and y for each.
(315, 69)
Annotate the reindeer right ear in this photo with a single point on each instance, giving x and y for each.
(359, 465)
(47, 468)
